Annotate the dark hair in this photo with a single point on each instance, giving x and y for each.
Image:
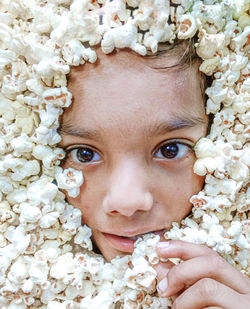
(186, 55)
(183, 49)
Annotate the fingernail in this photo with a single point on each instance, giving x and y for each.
(163, 244)
(162, 285)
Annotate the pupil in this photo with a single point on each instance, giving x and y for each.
(170, 151)
(84, 154)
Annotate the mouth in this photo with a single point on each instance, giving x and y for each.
(125, 244)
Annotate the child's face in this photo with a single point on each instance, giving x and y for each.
(130, 130)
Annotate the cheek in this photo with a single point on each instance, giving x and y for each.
(88, 201)
(188, 184)
(175, 191)
(82, 202)
(179, 178)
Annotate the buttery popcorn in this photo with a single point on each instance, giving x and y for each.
(46, 253)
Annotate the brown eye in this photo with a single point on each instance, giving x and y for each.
(172, 150)
(85, 155)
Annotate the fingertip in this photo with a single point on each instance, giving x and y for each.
(162, 286)
(163, 245)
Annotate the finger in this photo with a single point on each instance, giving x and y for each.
(162, 269)
(182, 249)
(212, 266)
(210, 293)
(189, 272)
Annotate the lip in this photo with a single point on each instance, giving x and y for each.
(123, 243)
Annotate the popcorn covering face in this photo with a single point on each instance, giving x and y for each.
(46, 258)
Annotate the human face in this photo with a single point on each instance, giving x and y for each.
(131, 130)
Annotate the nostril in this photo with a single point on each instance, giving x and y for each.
(114, 212)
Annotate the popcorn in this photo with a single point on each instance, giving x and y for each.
(60, 97)
(124, 36)
(44, 135)
(141, 275)
(75, 53)
(18, 272)
(70, 180)
(22, 144)
(49, 69)
(82, 237)
(29, 213)
(187, 26)
(38, 272)
(50, 116)
(215, 42)
(46, 253)
(41, 191)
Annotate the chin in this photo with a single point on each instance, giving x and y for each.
(108, 256)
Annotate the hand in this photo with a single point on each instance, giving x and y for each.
(202, 280)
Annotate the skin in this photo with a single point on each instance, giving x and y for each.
(127, 115)
(202, 280)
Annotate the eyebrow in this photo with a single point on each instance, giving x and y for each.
(174, 124)
(69, 129)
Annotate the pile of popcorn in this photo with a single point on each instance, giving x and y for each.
(46, 257)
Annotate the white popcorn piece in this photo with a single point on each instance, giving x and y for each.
(47, 68)
(60, 97)
(46, 136)
(53, 158)
(63, 266)
(37, 87)
(29, 213)
(102, 300)
(3, 146)
(208, 66)
(82, 237)
(6, 109)
(141, 275)
(18, 272)
(121, 37)
(187, 26)
(18, 238)
(42, 191)
(157, 34)
(240, 40)
(13, 85)
(114, 12)
(75, 53)
(22, 144)
(6, 185)
(205, 165)
(41, 151)
(214, 41)
(26, 169)
(70, 180)
(50, 116)
(38, 272)
(49, 219)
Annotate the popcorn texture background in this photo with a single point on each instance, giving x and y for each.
(46, 258)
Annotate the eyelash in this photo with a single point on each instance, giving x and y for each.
(72, 151)
(180, 147)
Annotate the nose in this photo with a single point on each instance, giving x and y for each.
(128, 190)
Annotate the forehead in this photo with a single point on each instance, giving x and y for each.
(123, 63)
(122, 83)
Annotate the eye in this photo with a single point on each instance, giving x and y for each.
(84, 155)
(172, 150)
